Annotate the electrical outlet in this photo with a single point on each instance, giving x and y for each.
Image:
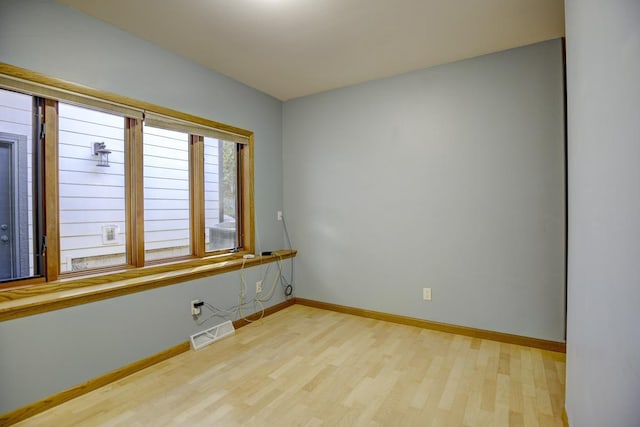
(195, 307)
(426, 294)
(279, 215)
(258, 286)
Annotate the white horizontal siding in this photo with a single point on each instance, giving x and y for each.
(85, 153)
(73, 137)
(87, 246)
(164, 148)
(104, 216)
(85, 229)
(99, 118)
(161, 205)
(90, 205)
(166, 183)
(81, 190)
(211, 185)
(15, 113)
(175, 224)
(166, 193)
(211, 205)
(81, 177)
(166, 215)
(163, 163)
(166, 235)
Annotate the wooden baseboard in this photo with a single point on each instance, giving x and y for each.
(35, 408)
(267, 311)
(32, 409)
(443, 327)
(565, 417)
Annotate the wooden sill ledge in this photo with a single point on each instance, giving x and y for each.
(27, 301)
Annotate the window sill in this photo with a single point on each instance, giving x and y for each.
(27, 301)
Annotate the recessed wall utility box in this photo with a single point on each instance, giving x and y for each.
(211, 335)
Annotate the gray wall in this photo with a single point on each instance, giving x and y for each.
(44, 354)
(450, 178)
(603, 336)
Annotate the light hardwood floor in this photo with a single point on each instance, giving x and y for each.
(308, 367)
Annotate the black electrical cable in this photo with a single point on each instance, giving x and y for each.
(287, 285)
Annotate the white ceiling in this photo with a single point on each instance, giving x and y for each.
(292, 48)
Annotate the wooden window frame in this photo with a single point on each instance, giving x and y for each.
(134, 197)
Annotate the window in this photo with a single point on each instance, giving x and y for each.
(18, 216)
(201, 172)
(111, 186)
(220, 194)
(167, 225)
(91, 190)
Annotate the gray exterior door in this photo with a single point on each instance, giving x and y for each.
(14, 207)
(7, 261)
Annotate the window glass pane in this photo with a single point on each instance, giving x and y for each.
(167, 229)
(16, 186)
(220, 194)
(91, 189)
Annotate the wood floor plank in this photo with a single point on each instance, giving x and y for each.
(309, 367)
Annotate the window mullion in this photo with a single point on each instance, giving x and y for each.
(50, 187)
(134, 192)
